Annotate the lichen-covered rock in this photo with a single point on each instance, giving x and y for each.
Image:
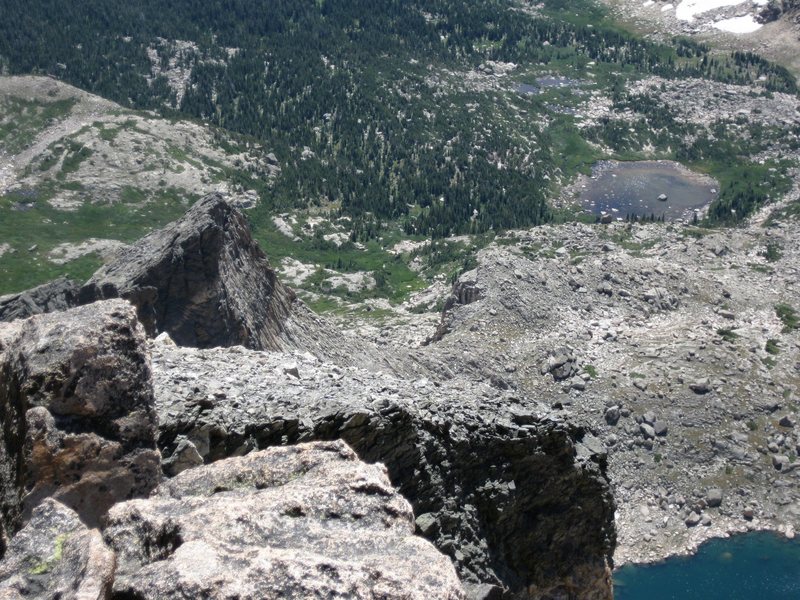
(515, 496)
(56, 557)
(60, 294)
(79, 424)
(307, 521)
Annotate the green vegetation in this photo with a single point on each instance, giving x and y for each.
(761, 268)
(75, 155)
(29, 220)
(591, 370)
(772, 347)
(385, 119)
(788, 316)
(393, 277)
(22, 120)
(773, 252)
(58, 551)
(367, 105)
(727, 334)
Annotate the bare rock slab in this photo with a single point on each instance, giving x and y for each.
(306, 521)
(77, 406)
(515, 497)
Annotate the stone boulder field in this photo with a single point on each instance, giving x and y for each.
(678, 345)
(250, 449)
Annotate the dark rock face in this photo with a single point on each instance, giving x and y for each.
(56, 556)
(205, 281)
(775, 9)
(60, 294)
(307, 521)
(202, 279)
(465, 291)
(77, 405)
(518, 499)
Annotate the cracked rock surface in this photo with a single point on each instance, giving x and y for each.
(494, 478)
(305, 521)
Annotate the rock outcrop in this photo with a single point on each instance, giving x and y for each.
(205, 281)
(306, 521)
(76, 401)
(518, 499)
(56, 556)
(60, 294)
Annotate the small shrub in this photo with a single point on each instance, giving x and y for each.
(788, 316)
(773, 252)
(752, 425)
(772, 347)
(727, 334)
(591, 370)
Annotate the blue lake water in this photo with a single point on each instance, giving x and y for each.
(752, 566)
(632, 188)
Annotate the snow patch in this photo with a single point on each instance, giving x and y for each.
(745, 24)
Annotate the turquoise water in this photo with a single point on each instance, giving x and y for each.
(752, 566)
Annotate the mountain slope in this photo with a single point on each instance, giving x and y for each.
(80, 176)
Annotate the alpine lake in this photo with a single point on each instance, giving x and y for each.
(662, 190)
(751, 566)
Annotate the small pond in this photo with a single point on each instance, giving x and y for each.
(644, 188)
(757, 566)
(550, 82)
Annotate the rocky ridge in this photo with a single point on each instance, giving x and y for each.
(492, 476)
(77, 399)
(206, 282)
